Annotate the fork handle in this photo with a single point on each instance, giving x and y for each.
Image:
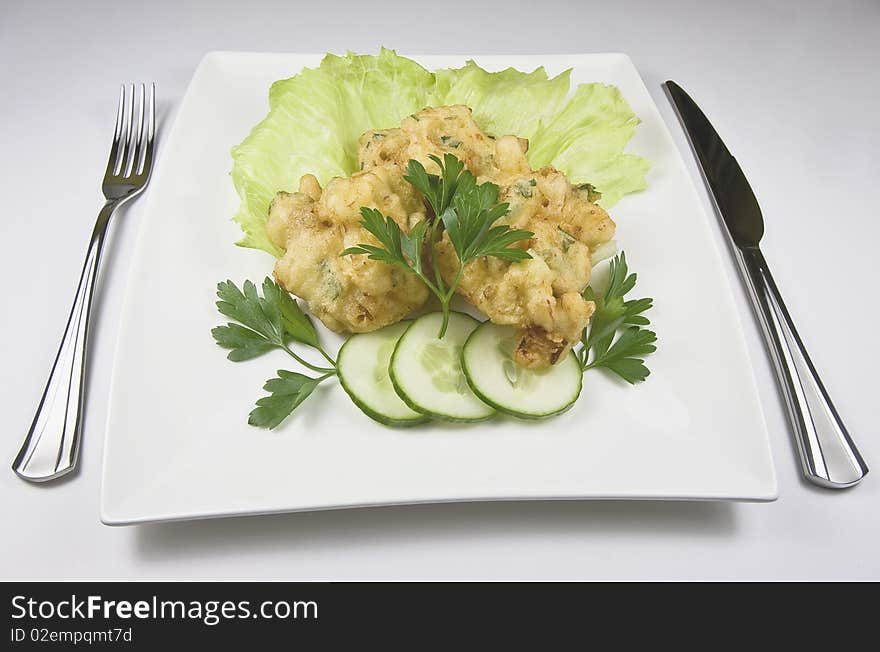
(52, 444)
(829, 456)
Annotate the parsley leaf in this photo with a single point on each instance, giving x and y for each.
(496, 243)
(264, 323)
(622, 356)
(243, 342)
(411, 244)
(275, 315)
(398, 248)
(287, 391)
(294, 322)
(612, 311)
(245, 308)
(438, 191)
(469, 224)
(467, 210)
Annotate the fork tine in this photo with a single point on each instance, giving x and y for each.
(114, 148)
(151, 130)
(137, 134)
(125, 144)
(152, 109)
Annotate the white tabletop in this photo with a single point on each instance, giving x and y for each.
(790, 86)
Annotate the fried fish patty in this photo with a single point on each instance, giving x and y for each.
(541, 295)
(314, 225)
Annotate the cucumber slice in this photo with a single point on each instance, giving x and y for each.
(600, 277)
(527, 393)
(604, 251)
(426, 371)
(362, 366)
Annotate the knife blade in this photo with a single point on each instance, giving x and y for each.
(736, 200)
(828, 455)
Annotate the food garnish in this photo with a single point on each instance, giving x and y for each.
(363, 364)
(487, 362)
(316, 117)
(518, 247)
(616, 339)
(467, 210)
(264, 323)
(404, 374)
(427, 374)
(287, 391)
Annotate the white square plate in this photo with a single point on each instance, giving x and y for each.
(178, 445)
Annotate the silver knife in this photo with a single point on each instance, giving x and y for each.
(829, 457)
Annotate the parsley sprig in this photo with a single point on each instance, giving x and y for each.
(465, 209)
(261, 324)
(286, 392)
(616, 339)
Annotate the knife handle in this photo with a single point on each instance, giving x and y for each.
(829, 457)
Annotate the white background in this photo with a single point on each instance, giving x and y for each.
(792, 88)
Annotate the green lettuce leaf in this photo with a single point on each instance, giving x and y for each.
(316, 117)
(314, 121)
(586, 139)
(506, 102)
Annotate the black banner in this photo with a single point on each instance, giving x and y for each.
(150, 615)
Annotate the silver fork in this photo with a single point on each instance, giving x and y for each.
(52, 444)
